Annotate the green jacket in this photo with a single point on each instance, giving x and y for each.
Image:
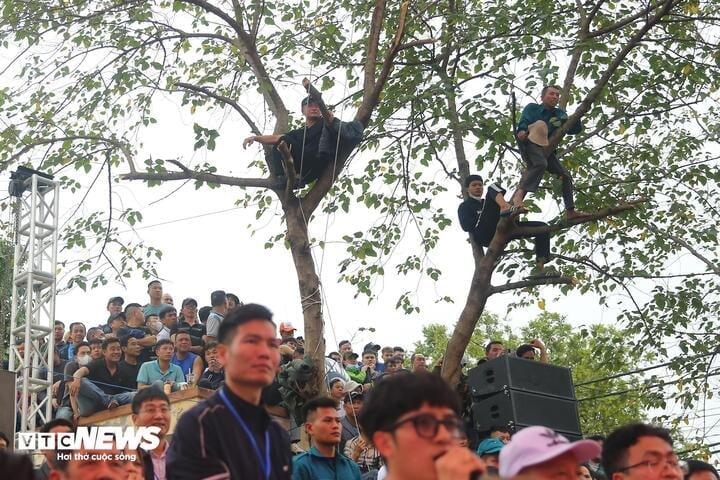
(313, 466)
(554, 118)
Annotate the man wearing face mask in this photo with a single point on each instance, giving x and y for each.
(82, 358)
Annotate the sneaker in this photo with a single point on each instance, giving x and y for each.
(547, 272)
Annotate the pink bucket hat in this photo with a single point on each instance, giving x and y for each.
(535, 445)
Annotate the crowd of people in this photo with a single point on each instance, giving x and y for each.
(383, 416)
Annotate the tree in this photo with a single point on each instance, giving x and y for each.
(205, 55)
(641, 77)
(591, 352)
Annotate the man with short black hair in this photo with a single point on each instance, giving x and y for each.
(480, 216)
(230, 435)
(344, 346)
(168, 319)
(131, 348)
(527, 351)
(59, 333)
(136, 328)
(189, 363)
(113, 387)
(414, 421)
(640, 452)
(77, 335)
(324, 460)
(233, 300)
(418, 363)
(218, 300)
(537, 124)
(213, 377)
(59, 425)
(151, 408)
(96, 350)
(67, 408)
(155, 292)
(352, 403)
(494, 349)
(160, 371)
(699, 470)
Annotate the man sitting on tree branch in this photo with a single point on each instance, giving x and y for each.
(480, 217)
(537, 123)
(313, 147)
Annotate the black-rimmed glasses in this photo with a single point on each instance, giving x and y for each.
(427, 425)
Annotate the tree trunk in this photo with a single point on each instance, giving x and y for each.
(308, 283)
(480, 291)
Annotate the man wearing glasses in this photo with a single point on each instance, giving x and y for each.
(151, 408)
(414, 422)
(640, 452)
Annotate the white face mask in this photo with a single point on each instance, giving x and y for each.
(83, 360)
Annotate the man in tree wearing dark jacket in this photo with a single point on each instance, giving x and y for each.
(315, 146)
(480, 217)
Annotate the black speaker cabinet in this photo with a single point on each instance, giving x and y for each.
(520, 374)
(517, 409)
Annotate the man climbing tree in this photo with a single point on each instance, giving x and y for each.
(537, 123)
(314, 146)
(480, 217)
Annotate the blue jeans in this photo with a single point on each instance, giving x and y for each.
(92, 399)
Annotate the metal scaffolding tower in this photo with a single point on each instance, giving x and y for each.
(33, 295)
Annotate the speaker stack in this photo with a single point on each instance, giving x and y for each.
(516, 393)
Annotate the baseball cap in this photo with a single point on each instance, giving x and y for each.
(116, 300)
(120, 315)
(371, 347)
(350, 387)
(489, 446)
(188, 301)
(535, 445)
(350, 355)
(286, 327)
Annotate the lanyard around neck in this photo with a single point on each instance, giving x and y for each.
(264, 461)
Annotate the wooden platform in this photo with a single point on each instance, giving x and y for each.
(121, 416)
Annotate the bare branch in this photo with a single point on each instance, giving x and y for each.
(680, 241)
(223, 99)
(531, 282)
(187, 174)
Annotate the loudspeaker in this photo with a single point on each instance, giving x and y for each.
(517, 409)
(517, 373)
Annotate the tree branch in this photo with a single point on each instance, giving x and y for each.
(187, 174)
(595, 92)
(599, 215)
(223, 99)
(531, 282)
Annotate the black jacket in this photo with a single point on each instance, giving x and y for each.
(208, 442)
(480, 217)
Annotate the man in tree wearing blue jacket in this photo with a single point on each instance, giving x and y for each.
(324, 461)
(537, 123)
